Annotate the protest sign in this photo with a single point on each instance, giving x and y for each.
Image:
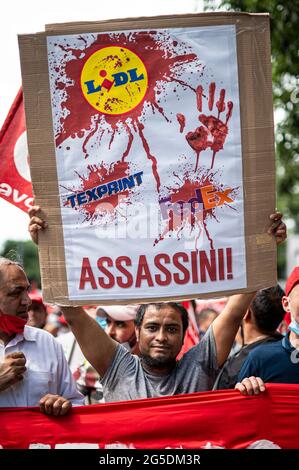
(152, 156)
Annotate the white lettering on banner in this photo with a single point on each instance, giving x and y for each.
(77, 445)
(21, 157)
(259, 444)
(8, 191)
(39, 445)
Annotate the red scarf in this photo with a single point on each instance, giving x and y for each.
(11, 324)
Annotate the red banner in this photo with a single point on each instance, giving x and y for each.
(15, 181)
(202, 420)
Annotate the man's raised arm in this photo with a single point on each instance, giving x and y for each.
(96, 345)
(226, 325)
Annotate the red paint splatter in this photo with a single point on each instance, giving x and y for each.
(130, 141)
(199, 91)
(184, 206)
(180, 216)
(89, 136)
(162, 66)
(220, 105)
(149, 156)
(60, 85)
(182, 121)
(229, 111)
(229, 263)
(212, 88)
(214, 131)
(112, 138)
(198, 140)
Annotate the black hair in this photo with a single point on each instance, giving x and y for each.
(205, 313)
(178, 307)
(267, 309)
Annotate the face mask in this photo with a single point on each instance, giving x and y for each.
(294, 327)
(102, 322)
(10, 324)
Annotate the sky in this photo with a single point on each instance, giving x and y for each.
(30, 16)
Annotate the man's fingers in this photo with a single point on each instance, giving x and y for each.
(277, 215)
(46, 402)
(248, 387)
(275, 220)
(239, 386)
(278, 228)
(48, 397)
(65, 407)
(280, 231)
(33, 211)
(35, 225)
(251, 386)
(275, 226)
(16, 355)
(54, 405)
(56, 408)
(19, 362)
(20, 370)
(254, 385)
(15, 360)
(61, 406)
(37, 221)
(48, 405)
(261, 384)
(34, 229)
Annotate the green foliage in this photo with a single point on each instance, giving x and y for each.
(27, 254)
(285, 46)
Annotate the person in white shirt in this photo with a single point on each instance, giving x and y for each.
(33, 369)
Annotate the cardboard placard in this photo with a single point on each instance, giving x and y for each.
(152, 155)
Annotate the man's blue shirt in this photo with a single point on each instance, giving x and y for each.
(276, 362)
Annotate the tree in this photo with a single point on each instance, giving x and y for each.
(27, 254)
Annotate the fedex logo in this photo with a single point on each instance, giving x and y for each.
(205, 198)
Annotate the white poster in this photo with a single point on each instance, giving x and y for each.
(149, 162)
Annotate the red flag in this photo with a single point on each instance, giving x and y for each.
(191, 336)
(15, 181)
(207, 420)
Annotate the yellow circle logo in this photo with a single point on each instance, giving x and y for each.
(114, 80)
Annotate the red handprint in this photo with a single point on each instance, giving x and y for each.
(214, 131)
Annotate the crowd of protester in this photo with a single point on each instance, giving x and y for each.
(55, 356)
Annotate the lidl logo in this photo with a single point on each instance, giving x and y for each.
(114, 80)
